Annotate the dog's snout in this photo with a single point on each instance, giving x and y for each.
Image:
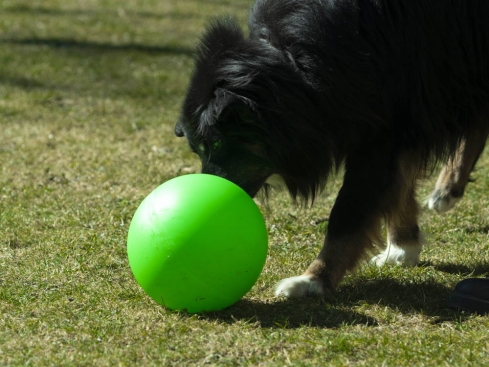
(178, 130)
(213, 169)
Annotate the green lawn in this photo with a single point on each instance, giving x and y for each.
(89, 94)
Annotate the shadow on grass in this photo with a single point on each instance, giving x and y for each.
(21, 82)
(61, 43)
(120, 13)
(291, 314)
(58, 12)
(429, 299)
(459, 269)
(477, 229)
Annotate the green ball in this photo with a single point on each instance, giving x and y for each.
(197, 243)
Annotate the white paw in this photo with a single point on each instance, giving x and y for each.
(300, 286)
(442, 203)
(394, 255)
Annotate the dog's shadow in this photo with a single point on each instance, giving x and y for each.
(427, 298)
(459, 269)
(290, 314)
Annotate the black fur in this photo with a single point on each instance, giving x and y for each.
(375, 85)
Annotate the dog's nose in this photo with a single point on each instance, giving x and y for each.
(178, 130)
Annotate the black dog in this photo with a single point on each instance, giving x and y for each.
(384, 88)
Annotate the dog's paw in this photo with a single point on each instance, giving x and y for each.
(441, 202)
(301, 286)
(394, 255)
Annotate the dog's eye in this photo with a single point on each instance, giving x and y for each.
(216, 145)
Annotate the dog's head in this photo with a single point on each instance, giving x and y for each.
(220, 119)
(250, 113)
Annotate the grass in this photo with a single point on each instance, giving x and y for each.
(89, 94)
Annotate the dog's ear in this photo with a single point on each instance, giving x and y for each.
(216, 64)
(227, 106)
(222, 100)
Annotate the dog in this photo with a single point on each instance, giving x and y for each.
(385, 89)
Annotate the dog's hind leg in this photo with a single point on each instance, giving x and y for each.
(450, 186)
(404, 239)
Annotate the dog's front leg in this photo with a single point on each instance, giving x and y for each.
(353, 227)
(339, 254)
